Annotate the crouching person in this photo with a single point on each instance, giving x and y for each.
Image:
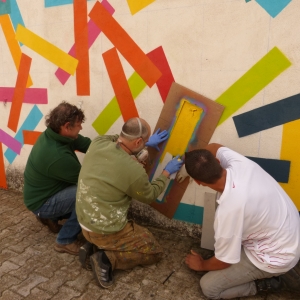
(51, 175)
(110, 177)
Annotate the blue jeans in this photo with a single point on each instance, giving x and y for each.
(60, 205)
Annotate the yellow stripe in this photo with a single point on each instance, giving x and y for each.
(60, 58)
(187, 117)
(12, 43)
(290, 149)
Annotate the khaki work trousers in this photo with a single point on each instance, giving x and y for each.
(133, 245)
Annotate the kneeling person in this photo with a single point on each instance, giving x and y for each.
(110, 177)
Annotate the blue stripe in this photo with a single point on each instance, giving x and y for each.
(50, 3)
(30, 123)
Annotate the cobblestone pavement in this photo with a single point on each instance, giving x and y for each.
(31, 269)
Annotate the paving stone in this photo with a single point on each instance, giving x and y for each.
(7, 281)
(5, 255)
(9, 295)
(52, 286)
(23, 271)
(25, 286)
(93, 292)
(7, 266)
(37, 294)
(31, 269)
(66, 293)
(23, 257)
(81, 282)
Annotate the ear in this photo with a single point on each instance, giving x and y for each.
(64, 128)
(218, 160)
(138, 141)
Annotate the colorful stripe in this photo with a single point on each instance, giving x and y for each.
(19, 92)
(12, 43)
(125, 44)
(135, 6)
(290, 149)
(30, 137)
(164, 83)
(93, 32)
(120, 84)
(32, 95)
(81, 48)
(46, 49)
(3, 184)
(10, 142)
(253, 81)
(32, 120)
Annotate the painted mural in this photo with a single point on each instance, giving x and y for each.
(117, 59)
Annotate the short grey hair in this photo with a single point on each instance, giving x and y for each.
(134, 128)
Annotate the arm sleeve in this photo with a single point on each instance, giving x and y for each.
(65, 169)
(145, 191)
(82, 143)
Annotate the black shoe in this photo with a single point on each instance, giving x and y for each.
(85, 252)
(272, 284)
(102, 271)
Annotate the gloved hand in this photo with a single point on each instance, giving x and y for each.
(174, 165)
(157, 138)
(182, 174)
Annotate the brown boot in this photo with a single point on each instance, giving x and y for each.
(53, 226)
(69, 248)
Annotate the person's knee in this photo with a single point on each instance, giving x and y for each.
(208, 287)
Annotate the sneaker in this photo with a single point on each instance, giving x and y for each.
(85, 252)
(272, 284)
(102, 272)
(53, 226)
(72, 248)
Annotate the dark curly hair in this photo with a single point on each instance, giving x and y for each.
(203, 166)
(63, 113)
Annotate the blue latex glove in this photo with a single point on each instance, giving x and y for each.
(174, 165)
(157, 138)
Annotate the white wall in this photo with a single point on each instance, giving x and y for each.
(209, 44)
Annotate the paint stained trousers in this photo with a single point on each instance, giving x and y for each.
(133, 245)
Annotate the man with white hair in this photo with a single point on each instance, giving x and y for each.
(110, 177)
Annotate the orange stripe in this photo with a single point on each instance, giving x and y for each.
(19, 92)
(3, 184)
(125, 45)
(120, 84)
(12, 43)
(30, 137)
(81, 48)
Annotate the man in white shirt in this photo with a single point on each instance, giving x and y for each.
(257, 226)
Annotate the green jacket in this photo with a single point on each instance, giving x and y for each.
(51, 167)
(108, 180)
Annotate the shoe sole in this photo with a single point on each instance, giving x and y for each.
(95, 276)
(62, 250)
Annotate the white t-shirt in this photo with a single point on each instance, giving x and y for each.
(254, 211)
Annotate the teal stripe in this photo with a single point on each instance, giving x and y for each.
(189, 213)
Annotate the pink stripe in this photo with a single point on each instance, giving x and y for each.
(10, 142)
(93, 32)
(32, 95)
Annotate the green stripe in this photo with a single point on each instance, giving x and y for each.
(259, 76)
(111, 112)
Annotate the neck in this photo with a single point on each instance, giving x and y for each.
(125, 148)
